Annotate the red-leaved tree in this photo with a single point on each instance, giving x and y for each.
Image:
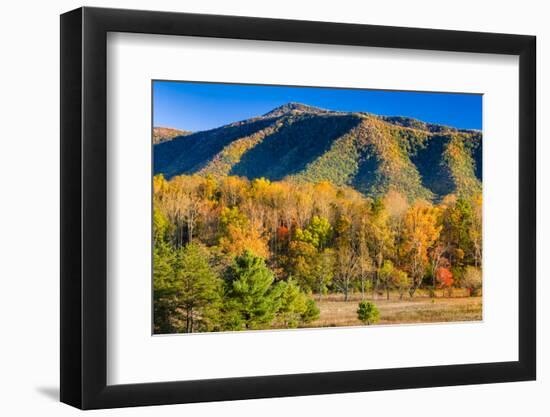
(444, 277)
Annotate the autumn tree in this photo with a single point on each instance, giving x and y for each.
(347, 268)
(445, 278)
(301, 264)
(385, 276)
(380, 237)
(476, 228)
(182, 200)
(457, 221)
(401, 281)
(366, 264)
(396, 206)
(437, 260)
(238, 234)
(300, 202)
(318, 233)
(233, 190)
(323, 271)
(421, 231)
(472, 280)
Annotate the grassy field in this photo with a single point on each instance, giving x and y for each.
(420, 309)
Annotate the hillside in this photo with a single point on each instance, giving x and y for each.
(370, 153)
(164, 134)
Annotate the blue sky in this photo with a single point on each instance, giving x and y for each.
(202, 106)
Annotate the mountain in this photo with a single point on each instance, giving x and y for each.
(164, 134)
(295, 108)
(370, 153)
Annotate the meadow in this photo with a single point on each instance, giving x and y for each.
(335, 312)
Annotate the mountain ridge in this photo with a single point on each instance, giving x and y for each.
(165, 134)
(370, 153)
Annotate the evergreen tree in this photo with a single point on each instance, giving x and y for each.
(198, 289)
(368, 313)
(251, 300)
(164, 290)
(295, 307)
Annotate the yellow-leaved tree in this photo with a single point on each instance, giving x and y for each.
(421, 230)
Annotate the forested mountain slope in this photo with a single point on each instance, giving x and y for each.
(370, 153)
(164, 134)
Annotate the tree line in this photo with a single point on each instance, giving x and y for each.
(233, 254)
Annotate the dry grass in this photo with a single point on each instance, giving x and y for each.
(336, 312)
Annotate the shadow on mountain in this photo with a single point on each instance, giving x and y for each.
(477, 154)
(289, 150)
(435, 174)
(367, 179)
(185, 154)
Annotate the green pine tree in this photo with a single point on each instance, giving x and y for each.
(251, 300)
(295, 307)
(198, 290)
(368, 313)
(164, 289)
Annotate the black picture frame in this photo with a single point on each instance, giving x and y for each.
(84, 207)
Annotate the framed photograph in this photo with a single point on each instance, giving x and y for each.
(257, 208)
